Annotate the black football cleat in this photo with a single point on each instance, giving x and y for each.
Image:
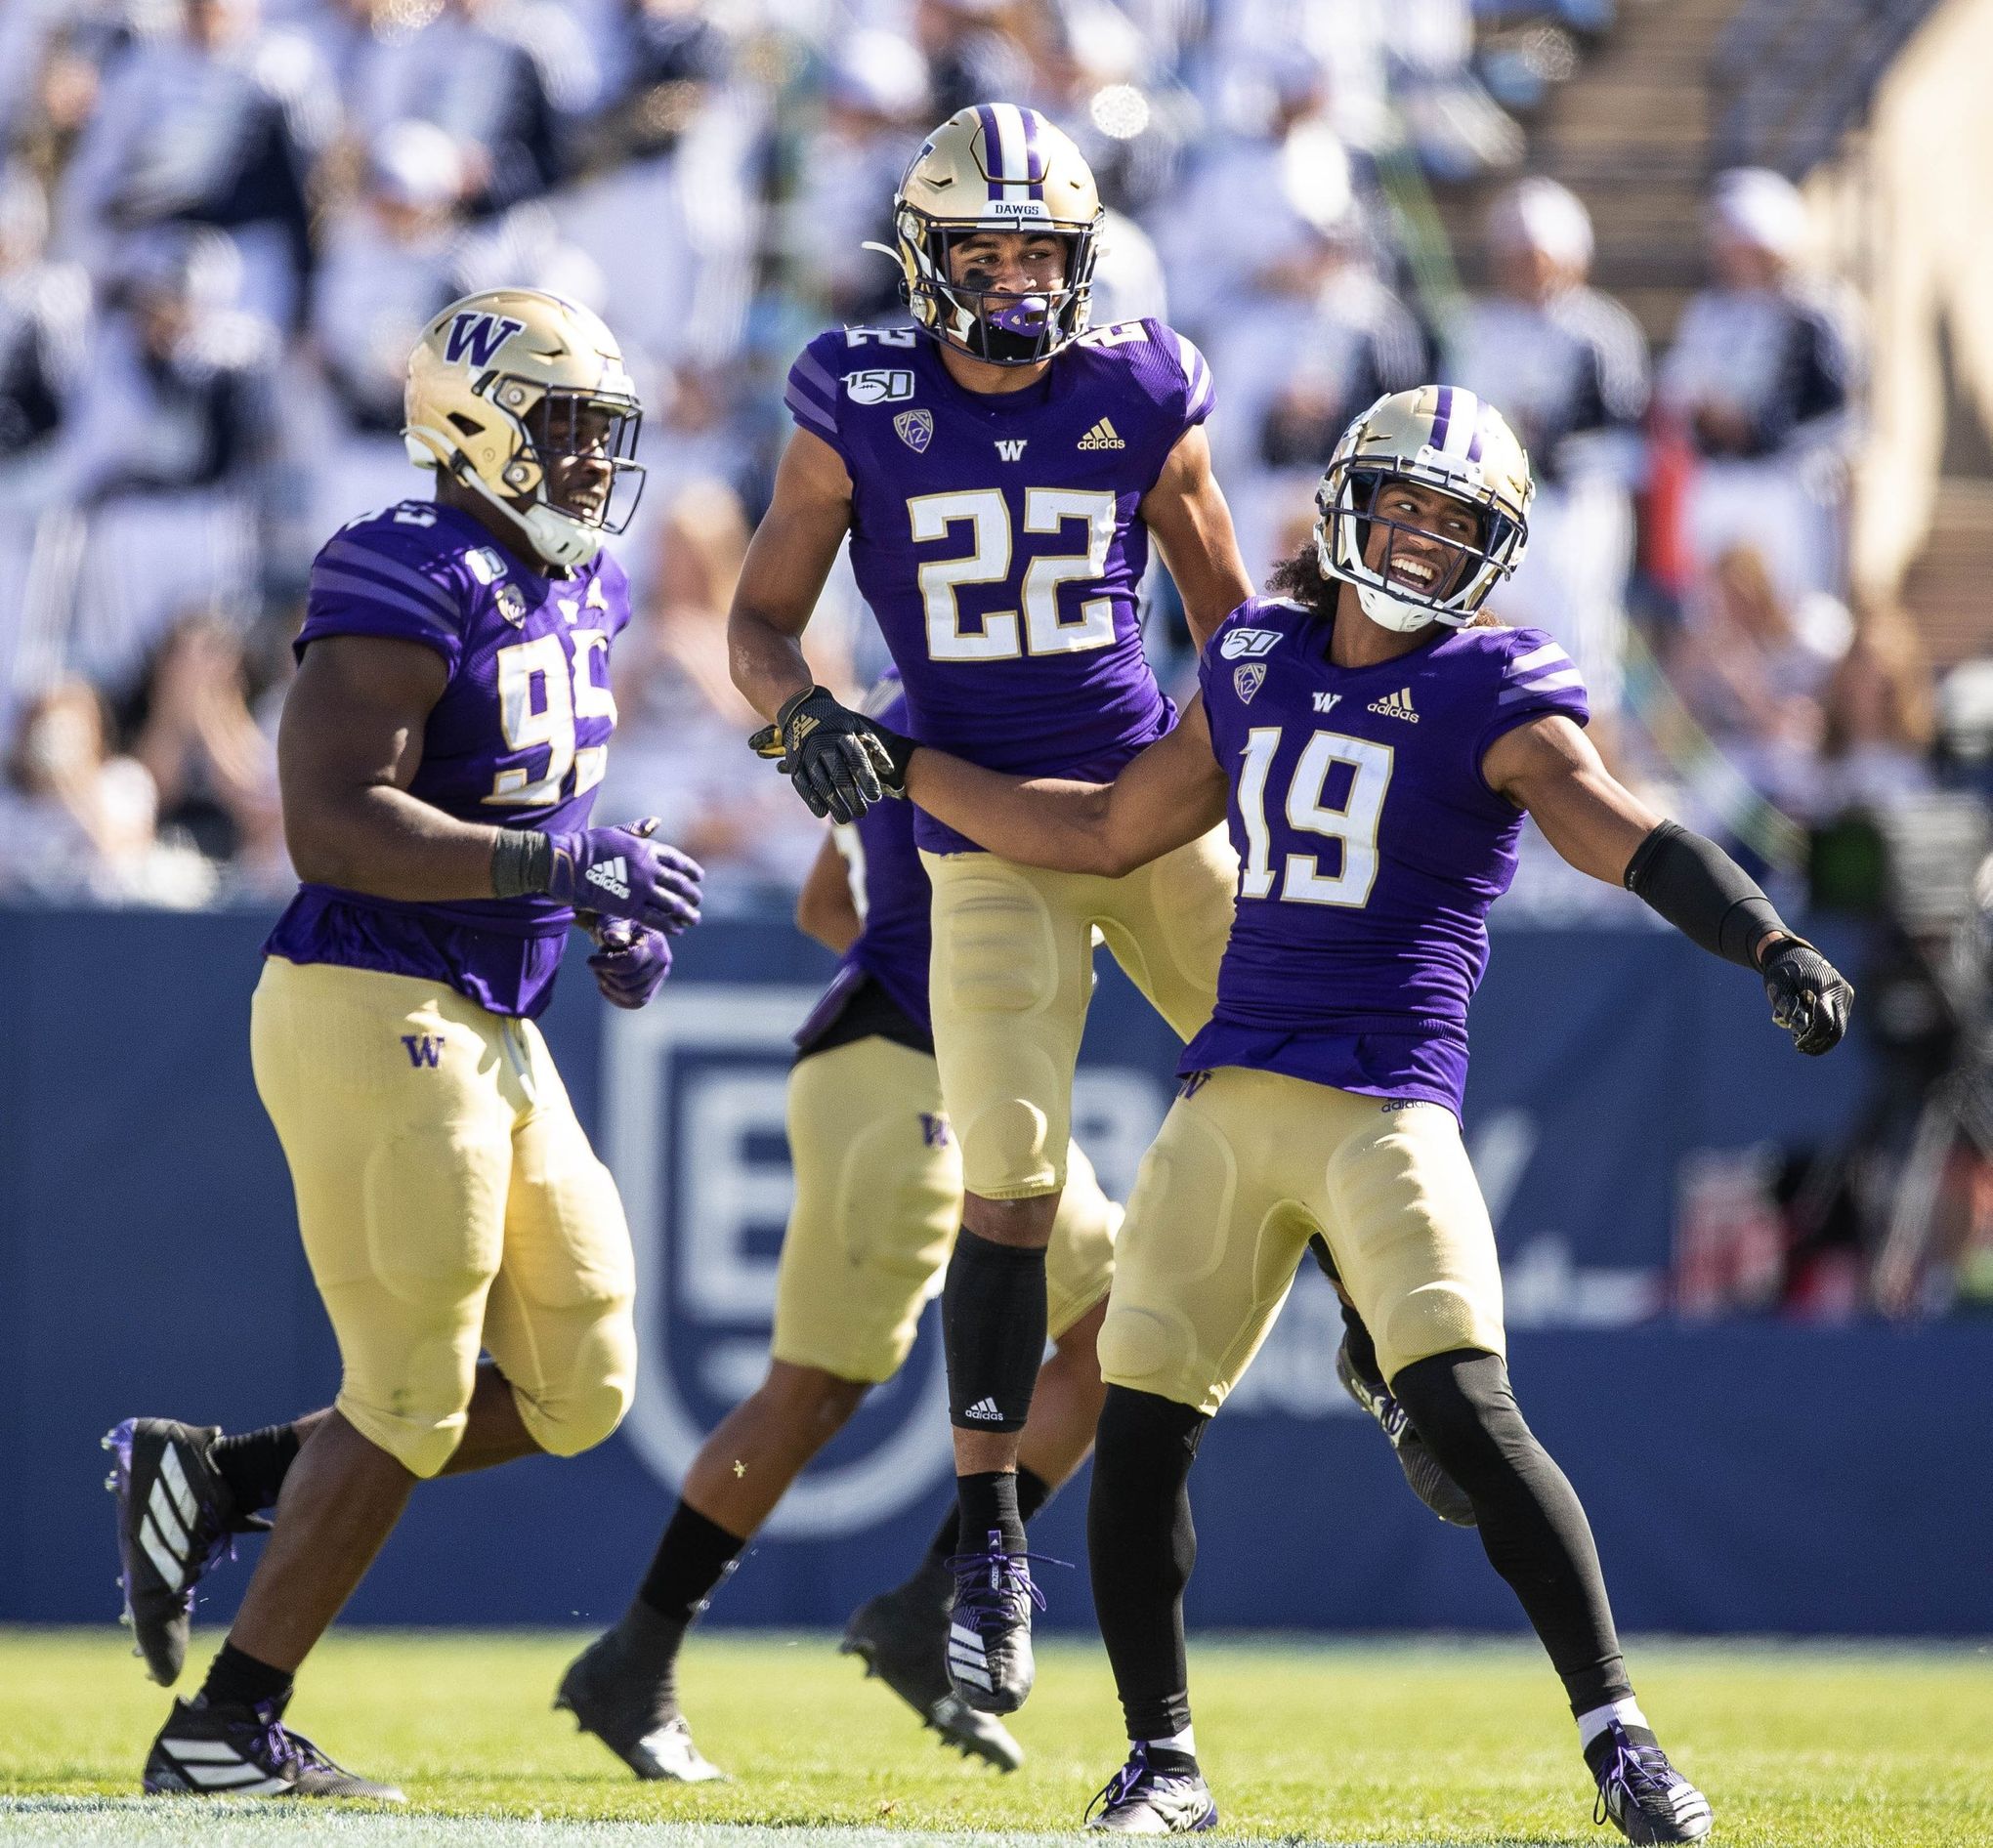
(247, 1752)
(630, 1706)
(1141, 1799)
(1430, 1483)
(1642, 1794)
(903, 1637)
(174, 1519)
(989, 1631)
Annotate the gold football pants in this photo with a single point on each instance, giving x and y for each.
(1013, 974)
(878, 1200)
(1245, 1170)
(450, 1203)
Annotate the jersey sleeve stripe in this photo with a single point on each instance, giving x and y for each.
(813, 374)
(808, 411)
(1197, 375)
(390, 571)
(1536, 659)
(1570, 681)
(367, 589)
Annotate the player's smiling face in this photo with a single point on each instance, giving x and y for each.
(1422, 538)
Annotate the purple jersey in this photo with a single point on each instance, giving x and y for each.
(998, 537)
(893, 894)
(1370, 848)
(519, 738)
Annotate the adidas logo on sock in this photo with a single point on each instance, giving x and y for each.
(986, 1409)
(1396, 705)
(1102, 437)
(612, 875)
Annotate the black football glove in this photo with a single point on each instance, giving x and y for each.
(1810, 998)
(840, 761)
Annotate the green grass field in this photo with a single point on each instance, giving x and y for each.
(1375, 1744)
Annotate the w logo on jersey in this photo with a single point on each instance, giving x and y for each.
(424, 1049)
(480, 336)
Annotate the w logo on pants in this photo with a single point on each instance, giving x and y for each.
(424, 1049)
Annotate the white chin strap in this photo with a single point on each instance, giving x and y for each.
(1393, 612)
(559, 538)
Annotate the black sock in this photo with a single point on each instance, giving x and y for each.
(1033, 1493)
(1363, 1351)
(986, 1505)
(992, 1328)
(1532, 1523)
(690, 1560)
(254, 1464)
(1142, 1545)
(234, 1679)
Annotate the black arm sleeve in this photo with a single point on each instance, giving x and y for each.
(1703, 891)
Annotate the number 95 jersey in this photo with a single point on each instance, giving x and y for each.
(1370, 847)
(519, 739)
(998, 537)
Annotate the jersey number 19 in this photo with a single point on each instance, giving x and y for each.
(1353, 826)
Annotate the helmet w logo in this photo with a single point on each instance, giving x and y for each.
(478, 335)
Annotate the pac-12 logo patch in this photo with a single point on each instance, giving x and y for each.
(511, 600)
(1242, 645)
(879, 385)
(1246, 679)
(480, 336)
(916, 429)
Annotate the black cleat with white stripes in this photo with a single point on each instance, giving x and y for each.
(207, 1751)
(175, 1515)
(903, 1637)
(990, 1662)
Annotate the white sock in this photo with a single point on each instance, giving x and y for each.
(1184, 1742)
(1626, 1713)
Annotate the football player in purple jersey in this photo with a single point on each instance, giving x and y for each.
(1000, 469)
(1371, 741)
(879, 1199)
(438, 756)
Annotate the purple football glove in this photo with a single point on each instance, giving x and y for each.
(630, 963)
(620, 873)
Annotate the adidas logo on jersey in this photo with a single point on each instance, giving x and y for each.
(986, 1409)
(1397, 705)
(1102, 437)
(612, 875)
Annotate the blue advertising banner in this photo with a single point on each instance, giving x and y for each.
(1744, 1476)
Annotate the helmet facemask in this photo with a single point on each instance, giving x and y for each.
(997, 326)
(1467, 570)
(574, 464)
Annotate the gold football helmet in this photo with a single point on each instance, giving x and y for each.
(505, 387)
(1439, 437)
(996, 166)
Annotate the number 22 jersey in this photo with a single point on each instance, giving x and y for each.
(998, 538)
(519, 738)
(1370, 847)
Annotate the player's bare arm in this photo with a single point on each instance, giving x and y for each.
(825, 906)
(1551, 768)
(783, 575)
(349, 746)
(787, 561)
(1192, 527)
(1169, 795)
(348, 750)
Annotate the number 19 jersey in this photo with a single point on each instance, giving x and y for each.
(1370, 847)
(1000, 541)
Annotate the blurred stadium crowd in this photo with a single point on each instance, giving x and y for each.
(223, 223)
